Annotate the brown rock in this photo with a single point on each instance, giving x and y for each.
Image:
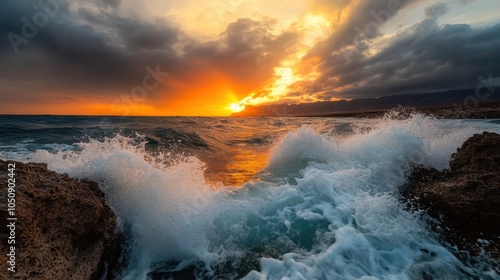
(480, 154)
(64, 229)
(466, 199)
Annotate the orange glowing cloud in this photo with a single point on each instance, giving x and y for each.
(221, 56)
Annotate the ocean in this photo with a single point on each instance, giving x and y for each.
(260, 198)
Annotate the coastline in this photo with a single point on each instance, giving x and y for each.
(482, 111)
(487, 110)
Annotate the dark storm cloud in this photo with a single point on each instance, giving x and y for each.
(110, 3)
(60, 55)
(94, 52)
(134, 34)
(365, 21)
(246, 50)
(91, 52)
(243, 58)
(427, 57)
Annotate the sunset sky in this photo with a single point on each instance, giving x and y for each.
(189, 57)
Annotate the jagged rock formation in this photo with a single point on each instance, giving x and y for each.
(64, 229)
(466, 199)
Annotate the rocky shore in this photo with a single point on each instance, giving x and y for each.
(465, 200)
(64, 229)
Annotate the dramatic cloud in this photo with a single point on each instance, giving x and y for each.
(126, 57)
(105, 57)
(420, 58)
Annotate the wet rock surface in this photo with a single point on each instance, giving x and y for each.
(64, 229)
(465, 200)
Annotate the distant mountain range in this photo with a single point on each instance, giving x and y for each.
(465, 97)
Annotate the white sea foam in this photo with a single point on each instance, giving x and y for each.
(323, 208)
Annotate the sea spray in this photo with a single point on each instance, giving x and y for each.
(157, 200)
(325, 206)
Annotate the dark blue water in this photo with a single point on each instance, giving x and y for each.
(259, 198)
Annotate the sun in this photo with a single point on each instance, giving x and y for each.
(236, 107)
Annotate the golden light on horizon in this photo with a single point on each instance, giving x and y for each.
(216, 58)
(236, 107)
(286, 74)
(313, 26)
(208, 86)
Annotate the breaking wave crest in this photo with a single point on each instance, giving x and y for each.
(324, 207)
